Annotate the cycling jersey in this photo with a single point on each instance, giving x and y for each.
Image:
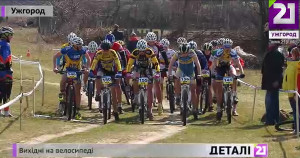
(159, 51)
(106, 60)
(225, 57)
(5, 60)
(148, 59)
(170, 53)
(186, 64)
(73, 57)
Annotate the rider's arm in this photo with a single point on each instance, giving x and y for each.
(197, 63)
(57, 55)
(155, 62)
(117, 61)
(95, 62)
(88, 60)
(173, 60)
(238, 63)
(131, 60)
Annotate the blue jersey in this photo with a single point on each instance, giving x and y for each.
(73, 57)
(5, 59)
(186, 64)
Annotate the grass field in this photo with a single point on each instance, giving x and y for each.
(205, 130)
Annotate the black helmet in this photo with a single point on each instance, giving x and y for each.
(105, 45)
(184, 48)
(214, 43)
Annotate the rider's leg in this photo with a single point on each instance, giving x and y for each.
(98, 89)
(135, 86)
(234, 88)
(62, 94)
(150, 100)
(85, 78)
(219, 95)
(114, 96)
(158, 96)
(78, 94)
(177, 91)
(119, 94)
(194, 95)
(8, 87)
(198, 92)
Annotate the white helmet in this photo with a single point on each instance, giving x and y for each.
(151, 36)
(181, 40)
(193, 45)
(227, 41)
(165, 42)
(93, 47)
(221, 41)
(70, 36)
(6, 29)
(141, 45)
(77, 41)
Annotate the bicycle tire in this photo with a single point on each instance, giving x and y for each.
(123, 86)
(171, 98)
(229, 108)
(203, 100)
(90, 94)
(109, 106)
(185, 108)
(206, 99)
(142, 109)
(69, 99)
(281, 125)
(104, 108)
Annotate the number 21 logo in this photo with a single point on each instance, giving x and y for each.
(283, 14)
(278, 19)
(261, 150)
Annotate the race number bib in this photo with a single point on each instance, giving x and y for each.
(227, 80)
(71, 74)
(185, 80)
(143, 81)
(106, 80)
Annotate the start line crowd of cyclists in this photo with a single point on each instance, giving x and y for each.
(157, 61)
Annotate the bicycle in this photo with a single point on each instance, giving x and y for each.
(105, 100)
(171, 93)
(69, 108)
(204, 98)
(185, 98)
(142, 99)
(228, 96)
(90, 91)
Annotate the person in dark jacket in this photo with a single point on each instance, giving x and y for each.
(118, 34)
(272, 69)
(132, 42)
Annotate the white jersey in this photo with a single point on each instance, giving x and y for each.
(169, 53)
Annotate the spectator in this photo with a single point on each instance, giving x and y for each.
(118, 34)
(272, 69)
(132, 42)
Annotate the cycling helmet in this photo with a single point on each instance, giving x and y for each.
(165, 42)
(106, 44)
(193, 45)
(221, 41)
(184, 48)
(214, 43)
(110, 37)
(93, 47)
(207, 46)
(181, 40)
(122, 43)
(141, 45)
(70, 36)
(77, 41)
(6, 31)
(227, 41)
(151, 36)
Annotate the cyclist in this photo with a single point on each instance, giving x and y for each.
(145, 59)
(6, 34)
(170, 52)
(187, 59)
(181, 40)
(73, 56)
(104, 64)
(92, 49)
(122, 58)
(157, 48)
(221, 64)
(203, 64)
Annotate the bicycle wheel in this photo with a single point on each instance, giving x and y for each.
(142, 108)
(202, 100)
(185, 107)
(69, 104)
(171, 98)
(123, 87)
(90, 94)
(109, 105)
(285, 126)
(229, 107)
(104, 108)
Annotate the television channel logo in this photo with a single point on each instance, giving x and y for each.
(261, 150)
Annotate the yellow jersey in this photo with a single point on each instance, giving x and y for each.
(143, 60)
(107, 60)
